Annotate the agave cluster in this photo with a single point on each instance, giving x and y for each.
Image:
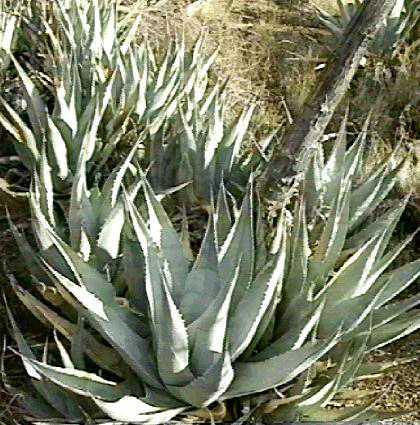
(156, 331)
(201, 148)
(398, 28)
(339, 273)
(90, 106)
(105, 88)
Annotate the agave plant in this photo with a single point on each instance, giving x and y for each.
(398, 27)
(81, 91)
(337, 24)
(339, 267)
(99, 80)
(188, 359)
(105, 86)
(203, 148)
(176, 334)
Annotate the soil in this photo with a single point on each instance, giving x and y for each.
(399, 389)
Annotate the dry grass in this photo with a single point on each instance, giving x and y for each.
(268, 51)
(400, 389)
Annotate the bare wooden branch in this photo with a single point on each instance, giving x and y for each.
(308, 130)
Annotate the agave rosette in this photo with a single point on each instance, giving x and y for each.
(337, 24)
(105, 86)
(81, 42)
(184, 350)
(340, 274)
(179, 333)
(203, 147)
(398, 27)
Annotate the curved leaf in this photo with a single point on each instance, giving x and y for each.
(209, 387)
(130, 409)
(202, 279)
(254, 377)
(245, 320)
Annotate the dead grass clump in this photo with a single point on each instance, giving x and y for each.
(400, 389)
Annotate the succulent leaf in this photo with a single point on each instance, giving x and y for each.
(254, 377)
(131, 409)
(203, 278)
(239, 248)
(210, 386)
(266, 286)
